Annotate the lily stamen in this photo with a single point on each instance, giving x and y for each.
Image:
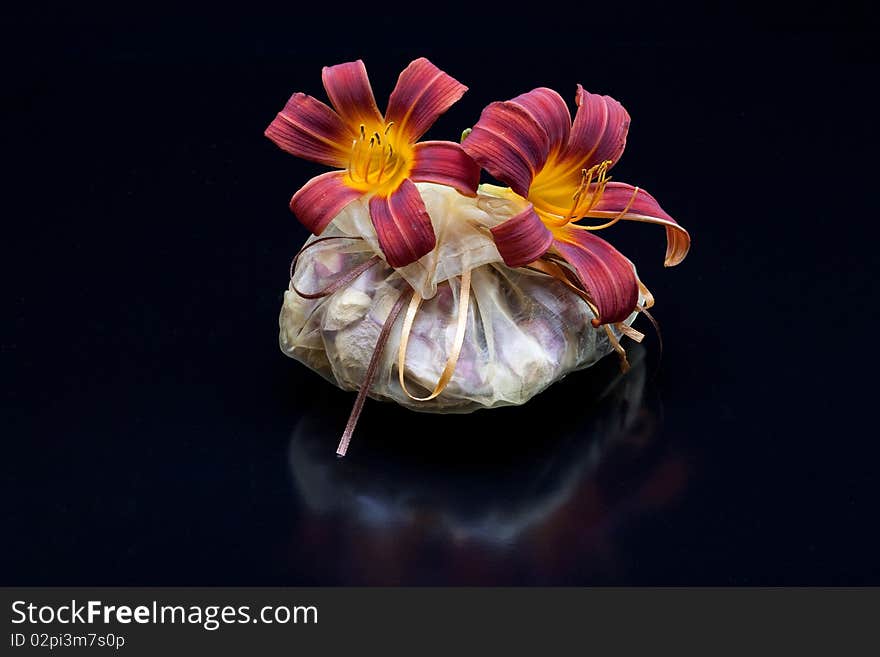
(576, 212)
(385, 160)
(363, 159)
(586, 176)
(601, 181)
(620, 215)
(351, 157)
(369, 162)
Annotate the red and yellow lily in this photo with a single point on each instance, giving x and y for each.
(376, 156)
(560, 167)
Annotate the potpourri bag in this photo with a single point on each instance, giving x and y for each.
(423, 287)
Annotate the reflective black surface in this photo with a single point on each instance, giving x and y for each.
(492, 503)
(154, 434)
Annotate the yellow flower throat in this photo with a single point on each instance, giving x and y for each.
(550, 194)
(557, 206)
(379, 159)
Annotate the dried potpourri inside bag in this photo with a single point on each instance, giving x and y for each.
(444, 297)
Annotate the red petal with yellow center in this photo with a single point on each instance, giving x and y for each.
(618, 197)
(510, 144)
(423, 92)
(402, 225)
(550, 111)
(348, 88)
(598, 132)
(606, 275)
(522, 239)
(321, 199)
(309, 129)
(446, 163)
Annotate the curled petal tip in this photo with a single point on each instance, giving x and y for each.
(623, 201)
(598, 132)
(678, 245)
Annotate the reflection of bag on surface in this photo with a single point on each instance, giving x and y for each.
(522, 330)
(494, 505)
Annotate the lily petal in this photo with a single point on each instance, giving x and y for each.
(606, 275)
(618, 197)
(348, 88)
(446, 163)
(522, 239)
(423, 92)
(549, 110)
(402, 225)
(321, 199)
(598, 132)
(309, 129)
(508, 143)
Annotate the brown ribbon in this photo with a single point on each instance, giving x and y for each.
(370, 375)
(340, 282)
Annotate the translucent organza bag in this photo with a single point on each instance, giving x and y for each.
(509, 336)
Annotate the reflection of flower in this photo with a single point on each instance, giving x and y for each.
(560, 167)
(378, 519)
(377, 156)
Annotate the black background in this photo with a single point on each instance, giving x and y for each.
(154, 434)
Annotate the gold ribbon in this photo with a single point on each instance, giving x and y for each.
(452, 360)
(370, 375)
